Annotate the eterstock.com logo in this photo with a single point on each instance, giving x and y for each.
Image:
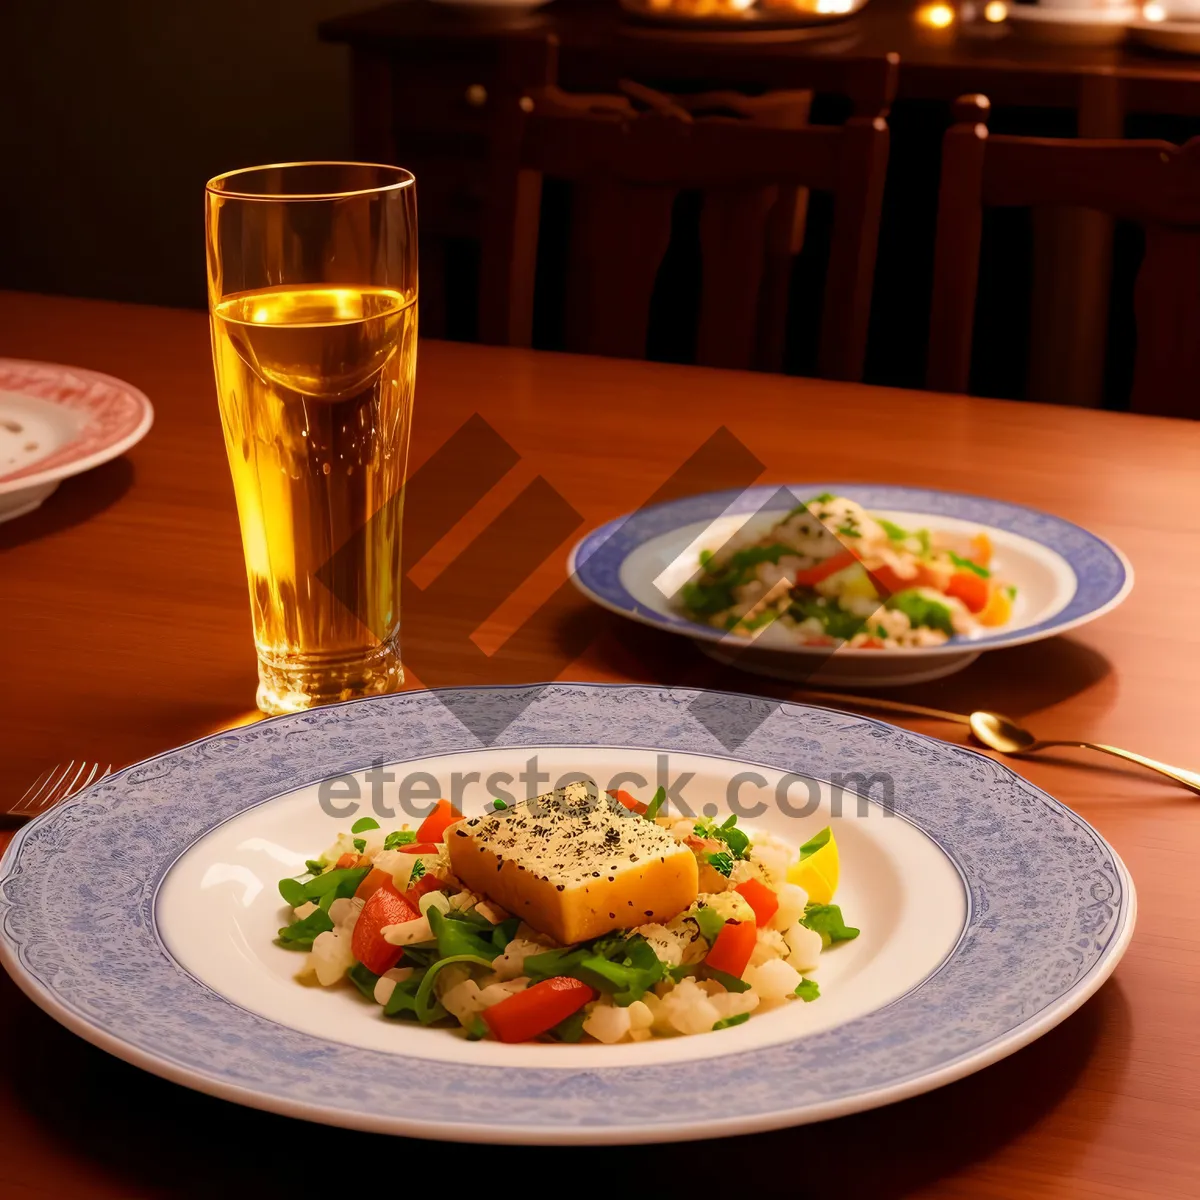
(385, 792)
(449, 611)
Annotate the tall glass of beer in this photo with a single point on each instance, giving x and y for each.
(312, 286)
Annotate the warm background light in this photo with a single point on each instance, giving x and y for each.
(1154, 12)
(995, 11)
(936, 15)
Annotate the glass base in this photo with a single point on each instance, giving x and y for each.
(295, 682)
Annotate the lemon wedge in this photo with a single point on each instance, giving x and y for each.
(817, 870)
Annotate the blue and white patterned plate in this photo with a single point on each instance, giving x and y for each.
(1065, 575)
(141, 913)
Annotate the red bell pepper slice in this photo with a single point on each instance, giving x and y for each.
(631, 802)
(419, 848)
(826, 567)
(973, 590)
(760, 898)
(731, 951)
(346, 860)
(537, 1009)
(372, 882)
(433, 828)
(386, 906)
(427, 883)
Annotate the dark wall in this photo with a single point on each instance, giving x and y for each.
(113, 113)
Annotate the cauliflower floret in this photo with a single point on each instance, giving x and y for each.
(664, 943)
(407, 933)
(731, 1004)
(792, 901)
(331, 956)
(462, 1001)
(385, 985)
(491, 912)
(607, 1023)
(773, 858)
(805, 947)
(769, 944)
(305, 910)
(732, 906)
(640, 1015)
(687, 1008)
(343, 912)
(497, 990)
(773, 980)
(511, 963)
(748, 868)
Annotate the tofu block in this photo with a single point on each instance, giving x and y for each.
(575, 864)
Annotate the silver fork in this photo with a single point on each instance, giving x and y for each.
(58, 783)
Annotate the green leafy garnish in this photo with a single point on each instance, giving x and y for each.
(815, 843)
(729, 1022)
(457, 937)
(835, 620)
(335, 884)
(314, 866)
(722, 863)
(849, 531)
(292, 890)
(401, 837)
(706, 556)
(708, 921)
(570, 1029)
(417, 872)
(683, 971)
(826, 919)
(302, 934)
(655, 806)
(360, 844)
(499, 804)
(726, 832)
(713, 594)
(477, 1030)
(807, 990)
(880, 632)
(707, 599)
(731, 983)
(425, 1004)
(823, 498)
(363, 824)
(921, 610)
(967, 564)
(891, 529)
(1012, 591)
(627, 968)
(363, 979)
(922, 536)
(403, 1000)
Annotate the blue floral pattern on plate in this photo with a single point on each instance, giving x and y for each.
(1103, 576)
(1051, 909)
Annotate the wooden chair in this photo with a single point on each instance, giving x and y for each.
(629, 155)
(1152, 183)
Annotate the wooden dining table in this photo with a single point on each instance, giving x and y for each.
(125, 630)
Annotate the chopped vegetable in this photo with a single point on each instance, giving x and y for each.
(630, 802)
(815, 843)
(728, 1022)
(731, 951)
(921, 610)
(656, 803)
(363, 979)
(385, 907)
(363, 824)
(826, 919)
(807, 990)
(761, 898)
(538, 1009)
(822, 570)
(433, 828)
(970, 589)
(401, 837)
(300, 935)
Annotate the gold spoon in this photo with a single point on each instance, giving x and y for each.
(1004, 734)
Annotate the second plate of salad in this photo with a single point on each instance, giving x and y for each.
(850, 583)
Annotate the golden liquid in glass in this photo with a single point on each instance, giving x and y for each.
(315, 387)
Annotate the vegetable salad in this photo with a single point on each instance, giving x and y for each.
(385, 912)
(831, 573)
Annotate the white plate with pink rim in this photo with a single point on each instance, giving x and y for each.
(57, 421)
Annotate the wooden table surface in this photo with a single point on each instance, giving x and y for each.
(126, 630)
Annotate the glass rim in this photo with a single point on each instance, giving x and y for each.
(213, 186)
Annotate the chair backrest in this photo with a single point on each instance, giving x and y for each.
(751, 157)
(1154, 184)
